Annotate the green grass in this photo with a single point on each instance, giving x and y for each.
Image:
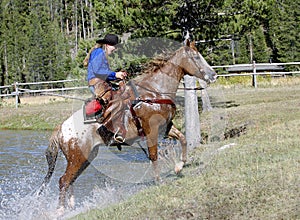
(257, 178)
(35, 116)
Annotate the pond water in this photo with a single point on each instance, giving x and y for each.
(112, 177)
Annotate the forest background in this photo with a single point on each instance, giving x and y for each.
(44, 40)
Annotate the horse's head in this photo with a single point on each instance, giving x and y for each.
(194, 64)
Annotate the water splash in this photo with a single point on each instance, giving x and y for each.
(17, 206)
(23, 167)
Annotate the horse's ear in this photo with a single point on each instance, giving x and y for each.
(187, 43)
(193, 45)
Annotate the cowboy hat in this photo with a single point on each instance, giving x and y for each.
(110, 39)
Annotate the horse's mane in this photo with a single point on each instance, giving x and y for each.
(156, 63)
(160, 60)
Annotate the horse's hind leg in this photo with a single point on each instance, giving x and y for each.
(71, 198)
(175, 133)
(67, 180)
(77, 163)
(51, 156)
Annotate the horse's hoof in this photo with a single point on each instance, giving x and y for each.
(71, 202)
(158, 181)
(60, 211)
(179, 167)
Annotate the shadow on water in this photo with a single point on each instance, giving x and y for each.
(111, 178)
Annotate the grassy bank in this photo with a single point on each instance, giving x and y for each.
(249, 167)
(35, 113)
(253, 173)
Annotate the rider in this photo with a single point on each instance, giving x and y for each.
(99, 74)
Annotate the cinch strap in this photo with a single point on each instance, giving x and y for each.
(149, 101)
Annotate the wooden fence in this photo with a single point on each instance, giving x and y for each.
(192, 130)
(18, 89)
(256, 69)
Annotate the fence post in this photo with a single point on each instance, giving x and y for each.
(17, 94)
(192, 119)
(254, 83)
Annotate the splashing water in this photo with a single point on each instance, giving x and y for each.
(23, 167)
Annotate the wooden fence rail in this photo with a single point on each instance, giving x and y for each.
(266, 73)
(265, 68)
(257, 64)
(48, 82)
(4, 87)
(18, 90)
(251, 70)
(51, 90)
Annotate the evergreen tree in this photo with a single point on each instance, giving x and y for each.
(141, 18)
(261, 51)
(199, 18)
(284, 31)
(13, 41)
(47, 40)
(245, 22)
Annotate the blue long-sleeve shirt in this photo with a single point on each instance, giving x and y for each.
(98, 66)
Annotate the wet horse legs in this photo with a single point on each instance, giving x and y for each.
(152, 142)
(151, 129)
(175, 133)
(77, 163)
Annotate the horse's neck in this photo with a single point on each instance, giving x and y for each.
(164, 81)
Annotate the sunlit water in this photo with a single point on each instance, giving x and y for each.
(112, 177)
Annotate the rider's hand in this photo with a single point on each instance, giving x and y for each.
(121, 75)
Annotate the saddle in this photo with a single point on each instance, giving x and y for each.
(112, 117)
(93, 108)
(108, 113)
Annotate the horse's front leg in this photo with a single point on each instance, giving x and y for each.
(175, 133)
(152, 143)
(153, 157)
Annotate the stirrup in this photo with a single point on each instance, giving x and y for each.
(118, 138)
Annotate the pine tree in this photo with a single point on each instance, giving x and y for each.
(13, 41)
(284, 31)
(40, 39)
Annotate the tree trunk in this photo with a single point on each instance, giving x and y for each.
(82, 20)
(5, 65)
(91, 20)
(76, 28)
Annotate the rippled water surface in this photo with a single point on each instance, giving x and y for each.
(112, 177)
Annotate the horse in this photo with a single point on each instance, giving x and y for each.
(152, 96)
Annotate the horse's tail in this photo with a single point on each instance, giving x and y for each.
(51, 156)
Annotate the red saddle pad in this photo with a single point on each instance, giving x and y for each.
(92, 107)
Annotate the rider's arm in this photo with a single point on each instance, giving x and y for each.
(99, 66)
